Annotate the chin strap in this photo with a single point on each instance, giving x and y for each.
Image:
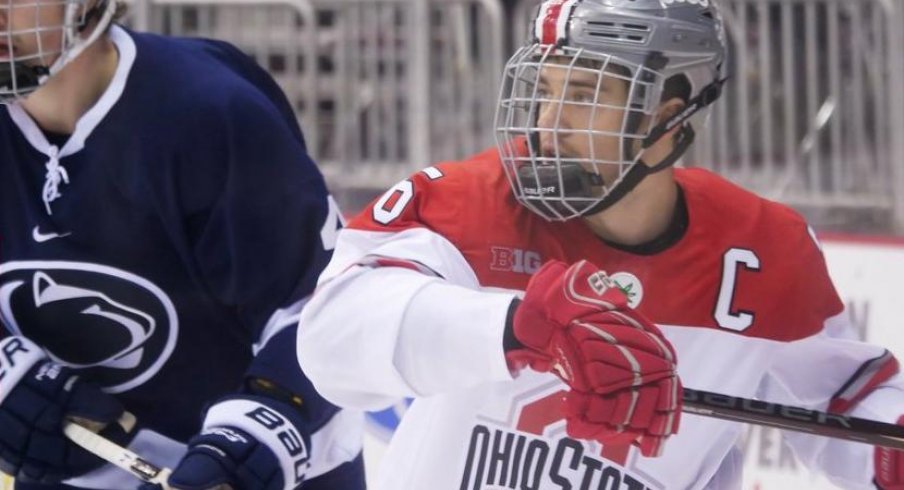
(640, 170)
(683, 140)
(575, 181)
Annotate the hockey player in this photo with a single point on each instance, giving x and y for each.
(550, 376)
(161, 226)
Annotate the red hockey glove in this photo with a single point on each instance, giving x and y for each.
(890, 467)
(576, 323)
(643, 416)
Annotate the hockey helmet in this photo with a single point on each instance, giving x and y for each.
(642, 43)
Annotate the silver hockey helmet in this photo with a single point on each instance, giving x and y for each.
(42, 36)
(579, 101)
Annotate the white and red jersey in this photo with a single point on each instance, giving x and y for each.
(415, 299)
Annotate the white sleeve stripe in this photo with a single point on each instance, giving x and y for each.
(863, 376)
(375, 261)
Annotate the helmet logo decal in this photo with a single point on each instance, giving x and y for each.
(552, 20)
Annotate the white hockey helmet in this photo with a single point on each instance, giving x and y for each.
(24, 72)
(644, 43)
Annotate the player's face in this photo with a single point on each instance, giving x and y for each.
(585, 111)
(32, 30)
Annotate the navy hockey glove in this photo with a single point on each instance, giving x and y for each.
(248, 442)
(36, 396)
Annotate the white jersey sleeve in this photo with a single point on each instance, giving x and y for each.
(400, 314)
(830, 372)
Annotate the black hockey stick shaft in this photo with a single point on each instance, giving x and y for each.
(798, 419)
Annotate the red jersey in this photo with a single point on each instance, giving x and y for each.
(765, 247)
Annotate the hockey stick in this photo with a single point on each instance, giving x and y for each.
(116, 454)
(798, 419)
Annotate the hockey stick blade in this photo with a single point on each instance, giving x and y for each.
(798, 419)
(117, 455)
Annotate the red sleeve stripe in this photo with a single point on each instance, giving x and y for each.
(375, 261)
(870, 375)
(552, 20)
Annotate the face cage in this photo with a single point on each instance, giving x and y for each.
(560, 186)
(23, 73)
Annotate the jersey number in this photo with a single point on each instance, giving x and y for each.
(393, 202)
(724, 315)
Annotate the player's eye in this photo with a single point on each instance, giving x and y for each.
(584, 98)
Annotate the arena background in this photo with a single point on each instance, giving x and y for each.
(813, 117)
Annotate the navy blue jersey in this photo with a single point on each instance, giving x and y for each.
(180, 227)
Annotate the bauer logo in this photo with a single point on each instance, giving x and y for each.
(131, 323)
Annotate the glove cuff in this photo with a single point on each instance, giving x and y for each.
(509, 341)
(270, 427)
(17, 356)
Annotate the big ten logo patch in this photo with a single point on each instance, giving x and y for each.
(505, 259)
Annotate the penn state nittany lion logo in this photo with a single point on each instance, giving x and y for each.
(114, 326)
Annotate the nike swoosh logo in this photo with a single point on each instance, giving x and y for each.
(39, 237)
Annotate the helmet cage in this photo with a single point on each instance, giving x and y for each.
(559, 185)
(22, 74)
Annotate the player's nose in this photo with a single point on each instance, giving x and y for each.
(551, 120)
(549, 115)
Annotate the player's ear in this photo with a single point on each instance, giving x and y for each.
(663, 145)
